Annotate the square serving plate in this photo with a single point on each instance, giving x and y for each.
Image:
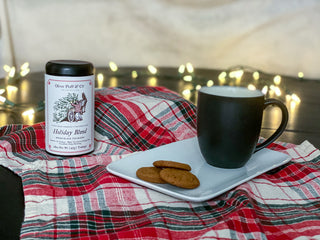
(213, 181)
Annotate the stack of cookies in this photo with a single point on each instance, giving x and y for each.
(174, 173)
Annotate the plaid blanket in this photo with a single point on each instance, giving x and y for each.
(76, 197)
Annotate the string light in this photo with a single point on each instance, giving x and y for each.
(113, 82)
(237, 74)
(210, 83)
(24, 66)
(13, 77)
(11, 88)
(113, 66)
(6, 68)
(292, 100)
(265, 90)
(300, 74)
(187, 94)
(24, 69)
(187, 78)
(2, 99)
(189, 67)
(277, 79)
(295, 98)
(251, 87)
(181, 69)
(152, 81)
(232, 76)
(288, 97)
(6, 101)
(152, 69)
(100, 79)
(222, 77)
(12, 72)
(134, 74)
(28, 112)
(31, 111)
(277, 91)
(256, 75)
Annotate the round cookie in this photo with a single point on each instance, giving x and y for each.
(179, 178)
(171, 164)
(150, 174)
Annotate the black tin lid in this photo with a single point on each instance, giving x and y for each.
(69, 68)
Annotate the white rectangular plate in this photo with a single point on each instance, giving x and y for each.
(213, 181)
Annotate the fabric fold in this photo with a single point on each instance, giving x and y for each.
(76, 197)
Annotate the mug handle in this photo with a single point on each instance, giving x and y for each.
(281, 128)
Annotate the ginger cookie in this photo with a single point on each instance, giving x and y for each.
(179, 178)
(171, 164)
(150, 174)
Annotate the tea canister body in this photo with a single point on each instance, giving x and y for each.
(69, 111)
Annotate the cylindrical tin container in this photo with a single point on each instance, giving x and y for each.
(69, 111)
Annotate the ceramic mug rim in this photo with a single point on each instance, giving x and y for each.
(231, 92)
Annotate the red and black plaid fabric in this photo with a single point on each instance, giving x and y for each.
(76, 197)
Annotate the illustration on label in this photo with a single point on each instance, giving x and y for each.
(69, 108)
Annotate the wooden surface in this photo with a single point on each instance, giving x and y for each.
(304, 117)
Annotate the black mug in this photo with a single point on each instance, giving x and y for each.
(229, 123)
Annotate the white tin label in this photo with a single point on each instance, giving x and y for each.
(69, 114)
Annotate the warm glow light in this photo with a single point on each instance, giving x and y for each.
(28, 116)
(272, 90)
(2, 99)
(134, 74)
(24, 72)
(11, 91)
(181, 69)
(12, 72)
(293, 104)
(152, 81)
(100, 79)
(264, 90)
(210, 83)
(186, 92)
(6, 68)
(288, 97)
(222, 77)
(152, 69)
(113, 66)
(292, 100)
(277, 91)
(24, 66)
(256, 75)
(236, 74)
(295, 98)
(189, 67)
(251, 87)
(113, 82)
(277, 79)
(300, 75)
(198, 87)
(28, 112)
(187, 78)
